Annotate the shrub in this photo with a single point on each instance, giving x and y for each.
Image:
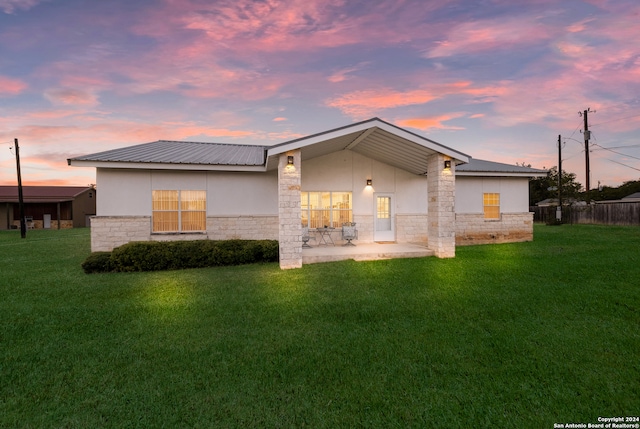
(97, 262)
(174, 255)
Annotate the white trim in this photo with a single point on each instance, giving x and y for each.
(166, 166)
(498, 174)
(384, 235)
(376, 123)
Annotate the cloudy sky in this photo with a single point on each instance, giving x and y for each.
(496, 79)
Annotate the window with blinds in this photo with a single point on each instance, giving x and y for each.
(326, 209)
(491, 206)
(179, 211)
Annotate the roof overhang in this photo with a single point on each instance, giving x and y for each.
(374, 139)
(499, 174)
(163, 166)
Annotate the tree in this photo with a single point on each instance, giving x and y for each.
(610, 193)
(543, 188)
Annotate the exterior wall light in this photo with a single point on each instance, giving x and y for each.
(447, 164)
(369, 182)
(290, 160)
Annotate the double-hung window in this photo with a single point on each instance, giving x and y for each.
(326, 209)
(491, 202)
(179, 211)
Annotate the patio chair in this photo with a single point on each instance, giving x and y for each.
(349, 232)
(306, 237)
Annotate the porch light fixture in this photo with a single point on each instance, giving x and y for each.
(447, 164)
(369, 182)
(290, 160)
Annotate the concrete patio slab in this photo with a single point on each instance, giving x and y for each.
(364, 252)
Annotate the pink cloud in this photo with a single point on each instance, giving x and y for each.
(11, 6)
(433, 122)
(71, 96)
(9, 86)
(279, 119)
(498, 33)
(366, 103)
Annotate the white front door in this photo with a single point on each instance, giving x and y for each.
(46, 221)
(384, 218)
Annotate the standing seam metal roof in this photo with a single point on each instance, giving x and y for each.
(482, 166)
(180, 152)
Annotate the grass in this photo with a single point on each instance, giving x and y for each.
(512, 335)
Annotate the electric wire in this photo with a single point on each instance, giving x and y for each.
(624, 165)
(614, 120)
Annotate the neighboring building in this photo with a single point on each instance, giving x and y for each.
(396, 185)
(632, 197)
(48, 207)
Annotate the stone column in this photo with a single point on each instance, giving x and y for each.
(441, 190)
(289, 212)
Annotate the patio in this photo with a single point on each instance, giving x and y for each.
(364, 252)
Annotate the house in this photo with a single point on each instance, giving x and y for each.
(397, 186)
(631, 197)
(56, 207)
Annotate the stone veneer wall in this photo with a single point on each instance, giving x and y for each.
(364, 225)
(441, 188)
(475, 229)
(412, 228)
(39, 224)
(109, 232)
(289, 210)
(242, 227)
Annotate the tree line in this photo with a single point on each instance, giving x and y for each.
(543, 188)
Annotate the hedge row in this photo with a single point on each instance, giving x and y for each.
(175, 255)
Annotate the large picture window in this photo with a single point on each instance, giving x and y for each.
(326, 209)
(179, 211)
(491, 206)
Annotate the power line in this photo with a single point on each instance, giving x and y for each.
(618, 153)
(624, 165)
(618, 147)
(614, 120)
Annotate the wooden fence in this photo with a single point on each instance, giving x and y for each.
(617, 213)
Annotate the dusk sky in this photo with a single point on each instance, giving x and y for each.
(495, 79)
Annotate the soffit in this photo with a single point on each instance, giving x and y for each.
(375, 143)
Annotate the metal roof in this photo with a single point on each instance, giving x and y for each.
(180, 152)
(41, 194)
(373, 138)
(479, 167)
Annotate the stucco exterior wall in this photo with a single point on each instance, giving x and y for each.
(128, 192)
(514, 193)
(246, 205)
(347, 171)
(515, 223)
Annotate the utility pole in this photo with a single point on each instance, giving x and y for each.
(23, 224)
(559, 209)
(587, 137)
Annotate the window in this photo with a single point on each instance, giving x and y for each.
(326, 209)
(491, 206)
(179, 211)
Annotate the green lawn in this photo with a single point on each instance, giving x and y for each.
(513, 335)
